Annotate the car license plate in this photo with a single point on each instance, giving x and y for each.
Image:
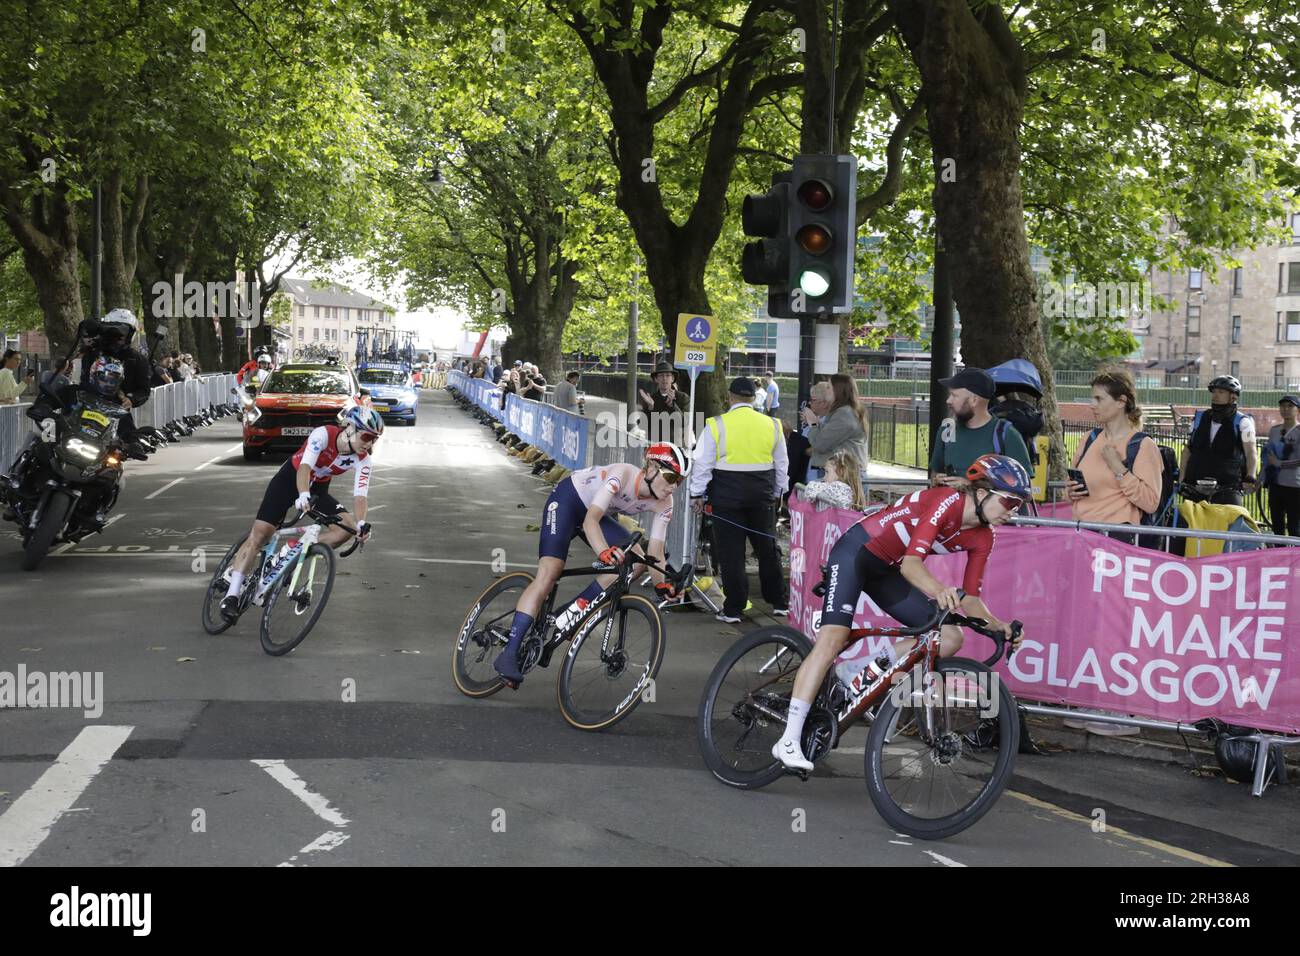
(379, 408)
(296, 431)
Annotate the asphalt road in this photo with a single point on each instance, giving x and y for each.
(356, 749)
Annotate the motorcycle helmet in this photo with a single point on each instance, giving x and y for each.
(106, 375)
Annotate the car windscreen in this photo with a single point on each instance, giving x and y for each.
(380, 376)
(308, 381)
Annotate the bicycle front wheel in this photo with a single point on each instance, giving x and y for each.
(213, 622)
(745, 705)
(484, 634)
(938, 756)
(297, 599)
(610, 664)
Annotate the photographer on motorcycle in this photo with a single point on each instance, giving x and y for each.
(113, 343)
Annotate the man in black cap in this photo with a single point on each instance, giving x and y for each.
(740, 464)
(972, 431)
(665, 406)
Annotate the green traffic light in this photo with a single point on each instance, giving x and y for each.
(814, 282)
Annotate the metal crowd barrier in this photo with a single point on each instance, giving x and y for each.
(15, 426)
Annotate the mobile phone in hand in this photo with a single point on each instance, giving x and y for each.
(1077, 477)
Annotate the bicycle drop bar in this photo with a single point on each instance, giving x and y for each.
(978, 625)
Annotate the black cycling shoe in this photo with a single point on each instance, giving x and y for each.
(230, 609)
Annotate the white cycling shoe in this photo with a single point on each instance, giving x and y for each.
(788, 752)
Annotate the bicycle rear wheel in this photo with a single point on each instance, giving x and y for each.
(743, 710)
(933, 780)
(297, 599)
(484, 634)
(611, 661)
(213, 622)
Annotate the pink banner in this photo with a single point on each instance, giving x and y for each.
(1111, 626)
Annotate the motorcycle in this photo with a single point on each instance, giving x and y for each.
(66, 482)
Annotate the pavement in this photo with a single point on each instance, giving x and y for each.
(356, 749)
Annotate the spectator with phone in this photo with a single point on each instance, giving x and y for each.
(1104, 485)
(10, 387)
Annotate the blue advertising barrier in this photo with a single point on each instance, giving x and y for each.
(479, 391)
(562, 435)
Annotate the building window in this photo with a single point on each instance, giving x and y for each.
(315, 334)
(301, 333)
(317, 312)
(1234, 369)
(1236, 280)
(1193, 319)
(345, 313)
(1288, 278)
(302, 312)
(1288, 326)
(1194, 278)
(1295, 228)
(1236, 330)
(1279, 373)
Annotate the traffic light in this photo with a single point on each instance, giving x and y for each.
(767, 261)
(822, 227)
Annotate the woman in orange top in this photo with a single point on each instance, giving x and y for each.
(1114, 494)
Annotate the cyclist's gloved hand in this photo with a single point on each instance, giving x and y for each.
(666, 589)
(611, 555)
(304, 501)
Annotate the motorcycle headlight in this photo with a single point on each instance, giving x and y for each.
(86, 451)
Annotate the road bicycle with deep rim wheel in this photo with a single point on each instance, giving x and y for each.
(291, 581)
(616, 643)
(943, 734)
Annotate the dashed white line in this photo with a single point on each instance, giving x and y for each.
(163, 488)
(27, 822)
(946, 861)
(298, 787)
(329, 840)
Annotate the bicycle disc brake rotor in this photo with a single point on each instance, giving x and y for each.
(615, 664)
(946, 748)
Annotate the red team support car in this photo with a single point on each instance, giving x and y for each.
(293, 402)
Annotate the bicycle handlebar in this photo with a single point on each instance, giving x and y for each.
(944, 617)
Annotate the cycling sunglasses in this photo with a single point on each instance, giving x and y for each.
(670, 476)
(368, 436)
(1010, 502)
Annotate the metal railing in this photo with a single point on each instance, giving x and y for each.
(166, 403)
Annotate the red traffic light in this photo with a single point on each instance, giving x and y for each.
(813, 238)
(815, 194)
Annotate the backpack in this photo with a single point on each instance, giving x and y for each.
(1168, 481)
(1021, 414)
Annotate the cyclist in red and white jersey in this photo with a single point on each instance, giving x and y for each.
(583, 505)
(304, 481)
(883, 555)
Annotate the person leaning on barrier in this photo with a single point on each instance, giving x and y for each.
(1227, 456)
(972, 431)
(10, 388)
(566, 393)
(740, 465)
(1282, 462)
(1111, 493)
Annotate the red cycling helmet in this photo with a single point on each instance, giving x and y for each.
(1005, 475)
(668, 457)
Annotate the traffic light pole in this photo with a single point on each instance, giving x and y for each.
(941, 340)
(807, 351)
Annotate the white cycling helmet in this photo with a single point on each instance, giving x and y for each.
(668, 457)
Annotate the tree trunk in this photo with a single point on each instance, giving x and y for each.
(974, 87)
(45, 226)
(121, 229)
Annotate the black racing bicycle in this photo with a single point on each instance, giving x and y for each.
(617, 642)
(944, 731)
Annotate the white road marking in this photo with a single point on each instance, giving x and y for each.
(509, 564)
(116, 517)
(900, 842)
(939, 857)
(162, 489)
(329, 840)
(27, 822)
(298, 787)
(375, 508)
